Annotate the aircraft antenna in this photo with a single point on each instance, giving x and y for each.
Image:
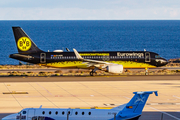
(40, 106)
(67, 49)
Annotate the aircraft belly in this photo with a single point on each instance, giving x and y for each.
(82, 65)
(68, 64)
(132, 64)
(90, 117)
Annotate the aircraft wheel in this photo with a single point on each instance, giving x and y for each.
(91, 73)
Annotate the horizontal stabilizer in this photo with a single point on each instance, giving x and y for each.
(146, 92)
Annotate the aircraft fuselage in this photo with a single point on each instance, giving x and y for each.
(129, 59)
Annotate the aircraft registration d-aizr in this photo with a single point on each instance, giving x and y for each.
(109, 61)
(130, 111)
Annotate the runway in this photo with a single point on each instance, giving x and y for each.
(90, 78)
(54, 69)
(83, 92)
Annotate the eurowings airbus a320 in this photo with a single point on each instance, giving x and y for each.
(129, 111)
(109, 61)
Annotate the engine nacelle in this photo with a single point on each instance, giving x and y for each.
(115, 68)
(58, 51)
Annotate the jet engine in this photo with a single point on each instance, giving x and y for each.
(115, 68)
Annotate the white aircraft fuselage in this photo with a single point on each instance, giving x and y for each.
(130, 111)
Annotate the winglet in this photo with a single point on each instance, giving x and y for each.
(77, 54)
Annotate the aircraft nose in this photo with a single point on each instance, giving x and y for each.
(165, 62)
(161, 62)
(10, 117)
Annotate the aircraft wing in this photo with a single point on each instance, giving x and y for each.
(92, 62)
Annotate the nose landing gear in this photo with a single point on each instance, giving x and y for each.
(146, 71)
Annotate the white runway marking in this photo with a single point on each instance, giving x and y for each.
(176, 97)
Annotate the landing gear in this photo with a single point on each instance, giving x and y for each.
(146, 69)
(93, 71)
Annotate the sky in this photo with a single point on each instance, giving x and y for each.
(89, 9)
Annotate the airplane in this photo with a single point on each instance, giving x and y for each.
(129, 111)
(109, 61)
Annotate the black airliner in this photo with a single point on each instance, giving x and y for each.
(109, 61)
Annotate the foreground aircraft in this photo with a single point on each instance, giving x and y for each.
(129, 111)
(109, 61)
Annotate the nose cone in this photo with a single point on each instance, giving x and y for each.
(165, 62)
(161, 62)
(10, 117)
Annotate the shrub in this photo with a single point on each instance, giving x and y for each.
(58, 71)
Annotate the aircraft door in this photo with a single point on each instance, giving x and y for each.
(147, 57)
(69, 113)
(43, 58)
(30, 115)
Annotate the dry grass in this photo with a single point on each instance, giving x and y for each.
(58, 71)
(74, 72)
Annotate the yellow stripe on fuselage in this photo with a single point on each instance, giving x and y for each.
(94, 54)
(83, 65)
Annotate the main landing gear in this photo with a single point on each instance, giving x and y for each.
(93, 72)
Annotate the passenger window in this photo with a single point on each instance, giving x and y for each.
(76, 113)
(82, 113)
(50, 112)
(89, 113)
(63, 113)
(69, 112)
(43, 112)
(56, 112)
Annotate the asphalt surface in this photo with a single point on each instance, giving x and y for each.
(54, 69)
(90, 78)
(144, 116)
(75, 91)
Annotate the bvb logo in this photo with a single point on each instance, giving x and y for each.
(24, 43)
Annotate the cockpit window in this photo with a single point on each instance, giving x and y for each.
(157, 56)
(34, 118)
(41, 118)
(24, 112)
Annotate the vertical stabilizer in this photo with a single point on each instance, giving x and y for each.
(23, 41)
(136, 104)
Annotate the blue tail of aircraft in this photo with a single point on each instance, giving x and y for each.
(134, 108)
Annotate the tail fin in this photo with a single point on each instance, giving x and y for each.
(136, 104)
(24, 42)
